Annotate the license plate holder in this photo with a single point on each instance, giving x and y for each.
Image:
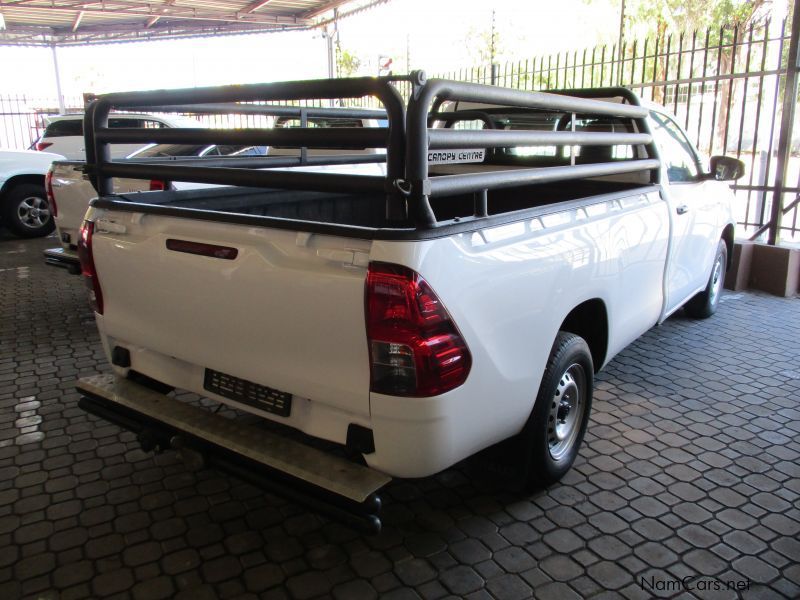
(253, 394)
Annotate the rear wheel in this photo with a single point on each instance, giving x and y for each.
(704, 304)
(554, 432)
(26, 210)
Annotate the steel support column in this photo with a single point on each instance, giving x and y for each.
(61, 108)
(787, 122)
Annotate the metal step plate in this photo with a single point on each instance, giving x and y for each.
(326, 471)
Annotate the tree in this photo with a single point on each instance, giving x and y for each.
(728, 21)
(347, 63)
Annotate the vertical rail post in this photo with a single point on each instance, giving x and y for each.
(61, 107)
(787, 122)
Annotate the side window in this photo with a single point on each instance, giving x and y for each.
(119, 122)
(676, 151)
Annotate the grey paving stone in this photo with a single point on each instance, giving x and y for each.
(690, 466)
(509, 587)
(561, 568)
(461, 580)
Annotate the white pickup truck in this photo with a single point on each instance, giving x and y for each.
(518, 241)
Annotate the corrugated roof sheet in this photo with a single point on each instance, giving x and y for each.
(72, 22)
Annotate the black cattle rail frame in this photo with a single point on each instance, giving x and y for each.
(407, 139)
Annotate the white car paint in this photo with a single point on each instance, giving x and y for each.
(15, 163)
(73, 147)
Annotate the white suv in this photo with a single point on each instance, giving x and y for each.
(64, 133)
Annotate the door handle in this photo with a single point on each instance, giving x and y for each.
(682, 209)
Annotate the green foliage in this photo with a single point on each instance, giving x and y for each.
(347, 63)
(649, 18)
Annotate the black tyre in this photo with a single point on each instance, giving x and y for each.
(704, 304)
(553, 435)
(26, 210)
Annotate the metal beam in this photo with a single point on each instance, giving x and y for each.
(254, 6)
(76, 23)
(787, 124)
(118, 7)
(315, 12)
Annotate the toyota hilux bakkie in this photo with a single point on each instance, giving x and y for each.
(516, 243)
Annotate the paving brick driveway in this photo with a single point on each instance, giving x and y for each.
(691, 468)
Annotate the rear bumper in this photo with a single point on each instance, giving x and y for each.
(413, 437)
(328, 484)
(59, 257)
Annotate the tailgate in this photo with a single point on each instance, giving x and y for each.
(73, 191)
(287, 312)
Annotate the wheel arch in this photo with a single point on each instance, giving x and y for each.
(590, 321)
(727, 237)
(15, 180)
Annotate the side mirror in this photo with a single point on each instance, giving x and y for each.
(726, 168)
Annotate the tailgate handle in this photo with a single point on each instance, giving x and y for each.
(348, 257)
(109, 226)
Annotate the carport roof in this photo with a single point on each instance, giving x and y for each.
(74, 22)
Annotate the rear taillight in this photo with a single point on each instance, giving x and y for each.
(87, 266)
(41, 146)
(156, 185)
(48, 188)
(415, 347)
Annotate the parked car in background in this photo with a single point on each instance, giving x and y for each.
(72, 191)
(64, 133)
(24, 205)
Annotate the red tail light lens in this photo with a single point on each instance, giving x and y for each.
(87, 266)
(415, 347)
(41, 146)
(48, 188)
(156, 185)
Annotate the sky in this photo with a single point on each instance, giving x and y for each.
(436, 35)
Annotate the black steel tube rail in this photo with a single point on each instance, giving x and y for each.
(272, 110)
(99, 160)
(336, 137)
(449, 185)
(316, 89)
(290, 180)
(444, 139)
(487, 94)
(259, 162)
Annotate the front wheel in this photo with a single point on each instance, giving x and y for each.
(26, 210)
(704, 304)
(554, 432)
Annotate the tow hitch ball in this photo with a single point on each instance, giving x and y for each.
(150, 441)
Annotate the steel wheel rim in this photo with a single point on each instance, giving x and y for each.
(33, 212)
(716, 280)
(566, 412)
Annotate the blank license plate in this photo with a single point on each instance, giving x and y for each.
(247, 392)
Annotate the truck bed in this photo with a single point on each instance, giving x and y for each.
(357, 210)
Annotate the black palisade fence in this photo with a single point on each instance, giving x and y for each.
(726, 87)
